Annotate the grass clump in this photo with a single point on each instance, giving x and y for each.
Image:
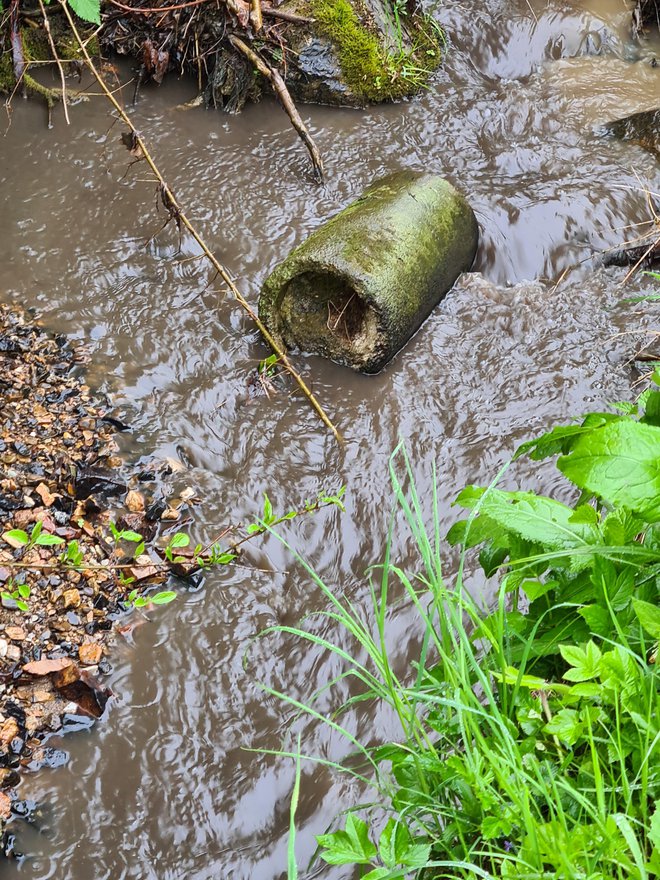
(372, 71)
(529, 739)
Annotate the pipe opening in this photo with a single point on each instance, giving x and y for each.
(321, 312)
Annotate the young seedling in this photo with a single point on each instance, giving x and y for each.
(19, 596)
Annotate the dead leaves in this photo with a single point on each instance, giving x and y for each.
(155, 61)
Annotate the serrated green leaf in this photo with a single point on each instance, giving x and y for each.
(381, 873)
(654, 827)
(21, 605)
(620, 463)
(88, 10)
(566, 725)
(416, 855)
(24, 591)
(531, 517)
(394, 841)
(585, 513)
(648, 616)
(598, 619)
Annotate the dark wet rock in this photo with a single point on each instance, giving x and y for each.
(640, 128)
(96, 481)
(362, 284)
(318, 78)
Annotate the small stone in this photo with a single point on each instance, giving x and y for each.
(71, 598)
(46, 495)
(15, 633)
(135, 502)
(13, 653)
(90, 654)
(170, 514)
(4, 644)
(8, 731)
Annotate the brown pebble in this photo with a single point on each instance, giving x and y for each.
(15, 633)
(7, 733)
(71, 598)
(90, 653)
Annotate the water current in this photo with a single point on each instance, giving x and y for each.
(163, 788)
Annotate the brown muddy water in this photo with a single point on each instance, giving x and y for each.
(163, 788)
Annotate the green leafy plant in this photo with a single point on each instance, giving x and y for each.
(134, 600)
(530, 729)
(36, 538)
(18, 596)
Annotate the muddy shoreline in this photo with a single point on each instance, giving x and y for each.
(65, 588)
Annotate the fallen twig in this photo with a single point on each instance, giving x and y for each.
(53, 49)
(283, 15)
(181, 219)
(256, 17)
(280, 89)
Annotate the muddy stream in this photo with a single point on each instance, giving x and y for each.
(163, 788)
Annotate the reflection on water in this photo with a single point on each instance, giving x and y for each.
(163, 789)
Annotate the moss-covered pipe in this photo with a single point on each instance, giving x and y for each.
(360, 286)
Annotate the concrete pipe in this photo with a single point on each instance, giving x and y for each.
(360, 286)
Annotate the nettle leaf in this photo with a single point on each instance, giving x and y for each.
(620, 463)
(648, 616)
(416, 856)
(620, 527)
(88, 10)
(585, 513)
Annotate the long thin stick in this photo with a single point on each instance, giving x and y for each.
(53, 49)
(170, 200)
(280, 89)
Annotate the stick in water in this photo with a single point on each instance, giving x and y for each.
(173, 206)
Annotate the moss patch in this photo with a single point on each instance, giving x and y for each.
(371, 70)
(37, 48)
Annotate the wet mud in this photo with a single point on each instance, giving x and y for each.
(164, 788)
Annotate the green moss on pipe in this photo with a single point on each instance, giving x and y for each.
(360, 286)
